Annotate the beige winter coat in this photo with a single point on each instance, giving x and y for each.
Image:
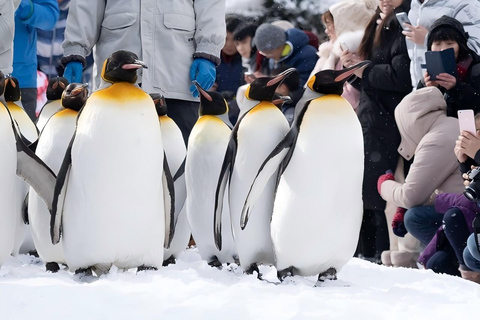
(429, 135)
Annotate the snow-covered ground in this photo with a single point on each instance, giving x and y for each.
(193, 290)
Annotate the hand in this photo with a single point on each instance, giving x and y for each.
(466, 178)
(459, 152)
(446, 80)
(384, 177)
(203, 71)
(398, 225)
(25, 9)
(348, 59)
(468, 143)
(428, 82)
(73, 72)
(415, 34)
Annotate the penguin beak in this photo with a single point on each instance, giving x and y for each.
(347, 72)
(80, 89)
(279, 77)
(202, 92)
(281, 100)
(137, 64)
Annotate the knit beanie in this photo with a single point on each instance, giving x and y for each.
(352, 15)
(446, 22)
(269, 37)
(284, 24)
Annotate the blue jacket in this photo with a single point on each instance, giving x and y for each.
(229, 73)
(302, 57)
(43, 16)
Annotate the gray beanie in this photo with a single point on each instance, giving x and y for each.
(269, 37)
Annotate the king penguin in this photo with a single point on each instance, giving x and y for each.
(23, 237)
(260, 128)
(17, 160)
(52, 144)
(317, 213)
(205, 152)
(175, 153)
(54, 100)
(109, 197)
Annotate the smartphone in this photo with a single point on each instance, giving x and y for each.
(402, 18)
(466, 121)
(344, 46)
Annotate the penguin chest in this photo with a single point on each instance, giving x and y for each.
(115, 184)
(8, 180)
(319, 195)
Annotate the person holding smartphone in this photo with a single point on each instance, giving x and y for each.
(463, 90)
(423, 14)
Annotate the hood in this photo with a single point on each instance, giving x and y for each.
(415, 116)
(446, 22)
(297, 38)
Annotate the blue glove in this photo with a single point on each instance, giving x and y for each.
(25, 9)
(73, 72)
(203, 71)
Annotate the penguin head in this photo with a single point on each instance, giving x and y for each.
(331, 81)
(160, 104)
(211, 102)
(263, 89)
(55, 88)
(75, 96)
(12, 89)
(122, 66)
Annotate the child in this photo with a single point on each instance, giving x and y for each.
(463, 90)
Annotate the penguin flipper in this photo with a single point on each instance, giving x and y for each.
(33, 170)
(60, 193)
(25, 210)
(180, 190)
(225, 174)
(169, 203)
(273, 162)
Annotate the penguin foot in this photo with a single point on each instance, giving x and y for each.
(282, 274)
(170, 260)
(52, 267)
(84, 275)
(146, 268)
(215, 263)
(254, 268)
(33, 253)
(330, 274)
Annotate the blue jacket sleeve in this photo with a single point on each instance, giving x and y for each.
(45, 14)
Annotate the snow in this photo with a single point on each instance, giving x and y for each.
(254, 6)
(191, 289)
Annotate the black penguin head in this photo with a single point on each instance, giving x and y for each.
(55, 88)
(331, 81)
(160, 103)
(75, 96)
(263, 89)
(12, 89)
(211, 102)
(122, 66)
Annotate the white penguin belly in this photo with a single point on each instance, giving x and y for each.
(51, 148)
(114, 210)
(206, 149)
(8, 180)
(318, 205)
(259, 133)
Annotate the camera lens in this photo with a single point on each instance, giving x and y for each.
(470, 194)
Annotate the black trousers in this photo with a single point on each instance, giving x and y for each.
(184, 113)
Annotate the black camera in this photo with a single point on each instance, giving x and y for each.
(472, 191)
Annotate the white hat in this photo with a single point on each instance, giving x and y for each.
(352, 15)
